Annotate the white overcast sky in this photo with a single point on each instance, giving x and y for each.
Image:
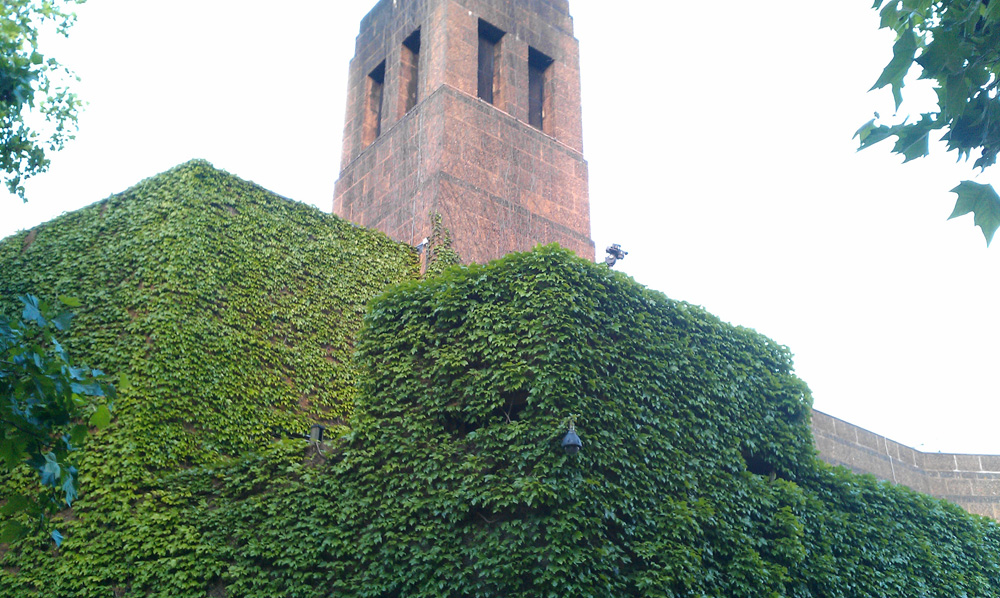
(719, 142)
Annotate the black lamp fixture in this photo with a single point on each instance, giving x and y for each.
(316, 433)
(571, 442)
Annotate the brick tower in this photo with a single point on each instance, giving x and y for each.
(469, 109)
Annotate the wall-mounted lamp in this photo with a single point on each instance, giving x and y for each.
(571, 442)
(316, 433)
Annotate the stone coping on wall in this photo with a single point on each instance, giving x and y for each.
(971, 481)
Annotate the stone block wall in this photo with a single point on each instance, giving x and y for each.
(500, 184)
(970, 481)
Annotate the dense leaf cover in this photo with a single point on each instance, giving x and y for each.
(440, 254)
(696, 478)
(233, 311)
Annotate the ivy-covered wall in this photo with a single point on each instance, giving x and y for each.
(233, 311)
(697, 475)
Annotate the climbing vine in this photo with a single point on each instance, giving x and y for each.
(440, 254)
(696, 477)
(232, 311)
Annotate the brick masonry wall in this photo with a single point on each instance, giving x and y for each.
(970, 481)
(500, 184)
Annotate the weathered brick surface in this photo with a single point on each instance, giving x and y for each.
(500, 184)
(970, 481)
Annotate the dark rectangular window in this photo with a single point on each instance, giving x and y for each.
(372, 125)
(410, 70)
(489, 59)
(538, 67)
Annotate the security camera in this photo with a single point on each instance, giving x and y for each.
(615, 253)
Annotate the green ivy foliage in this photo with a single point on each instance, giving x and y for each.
(233, 312)
(440, 254)
(697, 475)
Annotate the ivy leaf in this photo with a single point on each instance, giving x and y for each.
(15, 503)
(101, 417)
(124, 383)
(69, 301)
(983, 201)
(12, 531)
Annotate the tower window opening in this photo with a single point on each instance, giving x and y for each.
(539, 100)
(489, 60)
(410, 71)
(372, 125)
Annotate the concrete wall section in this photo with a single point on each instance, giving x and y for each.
(970, 481)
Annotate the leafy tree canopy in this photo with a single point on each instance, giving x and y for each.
(44, 400)
(956, 43)
(38, 112)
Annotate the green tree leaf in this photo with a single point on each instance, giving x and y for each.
(902, 57)
(983, 201)
(62, 321)
(32, 310)
(870, 133)
(913, 140)
(43, 397)
(954, 42)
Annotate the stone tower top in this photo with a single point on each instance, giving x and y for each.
(469, 109)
